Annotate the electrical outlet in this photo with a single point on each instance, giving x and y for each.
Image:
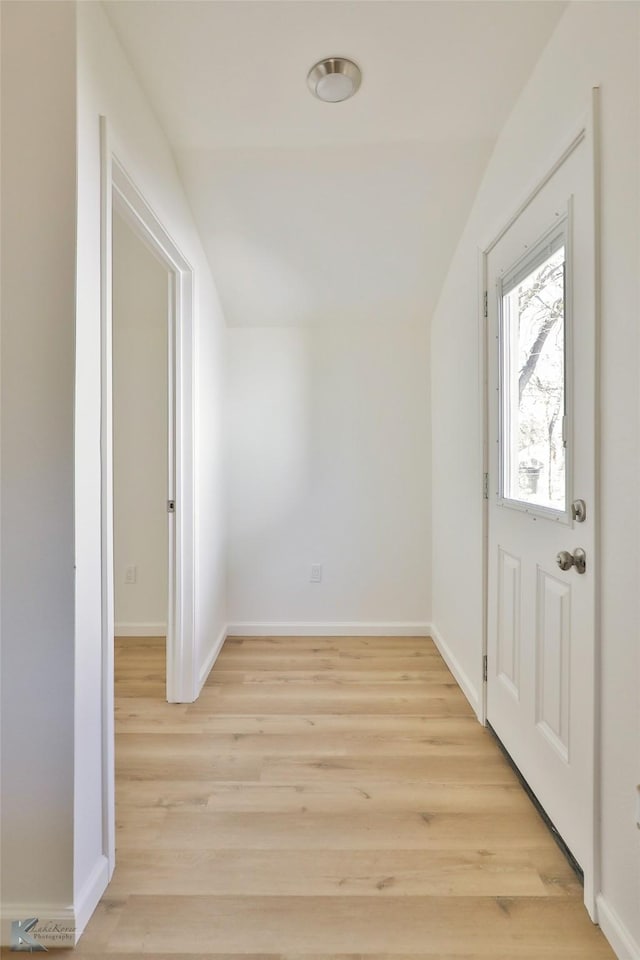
(130, 574)
(638, 806)
(316, 573)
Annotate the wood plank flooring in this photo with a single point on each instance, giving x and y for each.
(325, 798)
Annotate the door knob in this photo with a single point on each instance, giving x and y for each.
(577, 559)
(579, 511)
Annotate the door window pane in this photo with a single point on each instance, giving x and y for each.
(532, 339)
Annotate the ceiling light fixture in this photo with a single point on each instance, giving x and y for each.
(334, 79)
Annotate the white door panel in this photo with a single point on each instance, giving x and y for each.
(553, 660)
(509, 622)
(541, 389)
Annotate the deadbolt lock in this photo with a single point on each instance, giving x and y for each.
(577, 559)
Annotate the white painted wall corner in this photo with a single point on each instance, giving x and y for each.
(463, 681)
(624, 945)
(89, 896)
(210, 660)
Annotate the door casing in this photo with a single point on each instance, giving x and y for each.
(119, 191)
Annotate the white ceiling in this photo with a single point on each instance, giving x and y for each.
(348, 211)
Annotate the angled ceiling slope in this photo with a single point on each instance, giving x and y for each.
(311, 211)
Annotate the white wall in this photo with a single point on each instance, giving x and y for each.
(140, 423)
(61, 69)
(329, 463)
(595, 43)
(37, 284)
(107, 86)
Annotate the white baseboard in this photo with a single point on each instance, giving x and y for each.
(56, 926)
(624, 945)
(461, 677)
(89, 896)
(207, 666)
(140, 629)
(349, 628)
(59, 925)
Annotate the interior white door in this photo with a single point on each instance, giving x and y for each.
(542, 388)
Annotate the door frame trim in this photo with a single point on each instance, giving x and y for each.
(119, 191)
(591, 124)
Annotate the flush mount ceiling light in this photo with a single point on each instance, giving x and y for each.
(334, 79)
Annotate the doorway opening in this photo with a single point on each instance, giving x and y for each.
(126, 212)
(143, 473)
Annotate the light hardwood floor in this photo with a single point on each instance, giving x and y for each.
(325, 798)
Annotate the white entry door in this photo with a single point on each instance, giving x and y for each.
(541, 312)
